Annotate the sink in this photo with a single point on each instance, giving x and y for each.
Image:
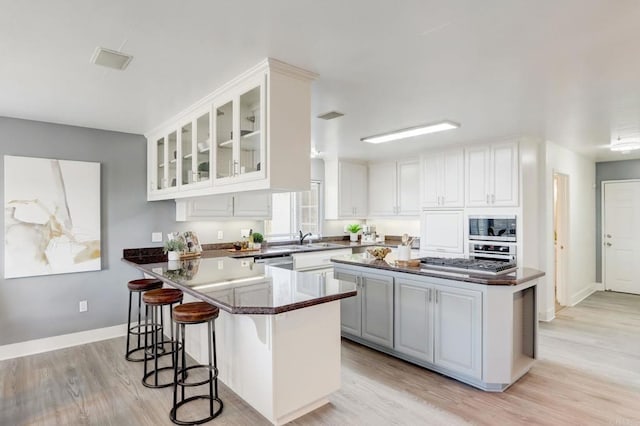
(323, 245)
(310, 246)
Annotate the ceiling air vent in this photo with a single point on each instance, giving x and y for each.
(330, 115)
(110, 58)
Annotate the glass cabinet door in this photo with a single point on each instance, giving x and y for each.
(160, 165)
(172, 152)
(186, 145)
(203, 147)
(250, 131)
(224, 141)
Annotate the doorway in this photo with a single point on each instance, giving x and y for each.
(620, 236)
(560, 237)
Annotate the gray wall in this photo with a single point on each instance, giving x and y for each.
(610, 170)
(37, 307)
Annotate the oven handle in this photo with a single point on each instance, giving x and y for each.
(507, 257)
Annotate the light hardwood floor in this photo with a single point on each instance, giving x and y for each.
(588, 373)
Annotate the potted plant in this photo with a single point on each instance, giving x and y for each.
(257, 240)
(353, 230)
(173, 248)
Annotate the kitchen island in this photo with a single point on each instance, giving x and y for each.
(278, 333)
(480, 329)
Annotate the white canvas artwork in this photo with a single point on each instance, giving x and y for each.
(52, 216)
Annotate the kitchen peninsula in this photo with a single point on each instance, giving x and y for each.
(278, 333)
(478, 328)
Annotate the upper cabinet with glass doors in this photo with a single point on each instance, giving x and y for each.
(252, 134)
(240, 141)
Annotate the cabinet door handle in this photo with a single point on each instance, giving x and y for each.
(436, 296)
(608, 244)
(488, 202)
(493, 198)
(429, 295)
(608, 235)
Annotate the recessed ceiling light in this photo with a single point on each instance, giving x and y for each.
(625, 145)
(110, 58)
(330, 115)
(410, 132)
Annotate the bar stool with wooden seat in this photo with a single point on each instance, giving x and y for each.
(186, 314)
(157, 300)
(138, 286)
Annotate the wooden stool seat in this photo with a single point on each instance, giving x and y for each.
(144, 284)
(162, 296)
(195, 312)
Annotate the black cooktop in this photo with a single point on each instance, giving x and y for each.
(493, 267)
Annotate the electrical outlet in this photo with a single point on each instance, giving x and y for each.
(244, 233)
(220, 235)
(82, 306)
(156, 237)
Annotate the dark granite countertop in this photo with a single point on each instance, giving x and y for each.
(521, 275)
(155, 254)
(240, 286)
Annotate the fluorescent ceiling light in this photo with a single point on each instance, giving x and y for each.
(412, 131)
(625, 145)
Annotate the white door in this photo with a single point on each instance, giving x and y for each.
(621, 234)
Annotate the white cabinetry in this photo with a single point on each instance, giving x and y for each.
(252, 134)
(492, 175)
(393, 187)
(442, 176)
(442, 231)
(345, 190)
(440, 325)
(254, 205)
(368, 315)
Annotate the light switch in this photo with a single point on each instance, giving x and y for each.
(156, 237)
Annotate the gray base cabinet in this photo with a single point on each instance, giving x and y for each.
(458, 330)
(369, 315)
(414, 319)
(439, 325)
(483, 335)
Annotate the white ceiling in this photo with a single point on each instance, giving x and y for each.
(567, 71)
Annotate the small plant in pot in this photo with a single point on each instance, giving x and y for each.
(257, 240)
(173, 248)
(353, 230)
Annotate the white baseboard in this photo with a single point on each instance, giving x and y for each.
(582, 294)
(47, 344)
(546, 316)
(598, 286)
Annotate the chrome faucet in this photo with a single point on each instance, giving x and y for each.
(302, 237)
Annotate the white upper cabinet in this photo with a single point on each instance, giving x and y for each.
(214, 207)
(240, 141)
(442, 231)
(345, 190)
(394, 188)
(252, 134)
(493, 175)
(442, 176)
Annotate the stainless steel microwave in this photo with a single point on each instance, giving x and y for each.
(492, 228)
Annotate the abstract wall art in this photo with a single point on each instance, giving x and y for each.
(52, 216)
